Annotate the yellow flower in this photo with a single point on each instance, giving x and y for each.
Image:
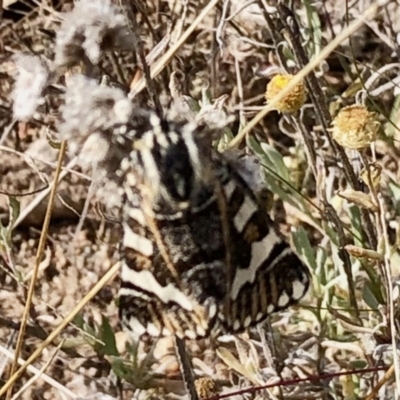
(293, 101)
(355, 127)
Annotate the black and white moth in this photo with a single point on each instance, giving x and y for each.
(201, 255)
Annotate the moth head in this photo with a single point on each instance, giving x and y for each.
(170, 164)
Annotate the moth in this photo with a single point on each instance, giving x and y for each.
(201, 255)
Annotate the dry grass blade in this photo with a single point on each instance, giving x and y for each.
(42, 195)
(46, 378)
(39, 374)
(163, 61)
(390, 297)
(39, 254)
(325, 52)
(103, 281)
(374, 393)
(233, 363)
(51, 164)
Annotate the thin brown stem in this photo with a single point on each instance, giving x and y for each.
(131, 20)
(317, 96)
(39, 254)
(186, 368)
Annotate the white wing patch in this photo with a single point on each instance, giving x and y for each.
(246, 210)
(137, 215)
(152, 330)
(260, 251)
(136, 327)
(146, 281)
(229, 188)
(298, 290)
(123, 291)
(283, 300)
(137, 242)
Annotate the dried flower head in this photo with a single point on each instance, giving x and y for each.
(355, 127)
(212, 113)
(92, 26)
(31, 79)
(293, 101)
(90, 111)
(206, 387)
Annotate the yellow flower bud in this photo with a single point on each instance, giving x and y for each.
(293, 101)
(355, 127)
